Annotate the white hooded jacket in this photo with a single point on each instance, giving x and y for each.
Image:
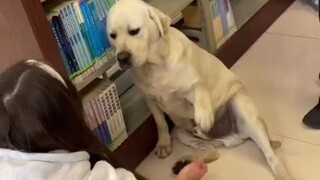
(16, 165)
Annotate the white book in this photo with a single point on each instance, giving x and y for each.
(120, 120)
(111, 121)
(114, 111)
(230, 19)
(104, 102)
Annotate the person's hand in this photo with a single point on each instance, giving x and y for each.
(193, 171)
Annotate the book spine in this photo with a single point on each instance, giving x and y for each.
(66, 44)
(114, 109)
(83, 29)
(103, 22)
(64, 18)
(94, 122)
(217, 26)
(223, 13)
(67, 27)
(113, 112)
(89, 28)
(81, 56)
(103, 120)
(121, 132)
(99, 121)
(59, 44)
(230, 17)
(105, 107)
(92, 20)
(77, 31)
(112, 117)
(119, 109)
(83, 44)
(87, 118)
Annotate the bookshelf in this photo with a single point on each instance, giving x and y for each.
(243, 10)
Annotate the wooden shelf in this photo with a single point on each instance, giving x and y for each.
(96, 74)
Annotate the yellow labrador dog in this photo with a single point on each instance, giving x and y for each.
(192, 86)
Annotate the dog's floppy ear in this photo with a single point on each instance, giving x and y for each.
(162, 21)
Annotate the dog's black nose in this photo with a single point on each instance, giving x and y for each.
(124, 57)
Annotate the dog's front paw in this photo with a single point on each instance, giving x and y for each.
(164, 147)
(204, 118)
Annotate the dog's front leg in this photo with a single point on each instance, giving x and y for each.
(163, 148)
(203, 109)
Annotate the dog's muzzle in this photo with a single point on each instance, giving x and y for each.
(124, 59)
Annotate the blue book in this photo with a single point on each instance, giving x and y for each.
(222, 4)
(78, 36)
(61, 50)
(66, 45)
(98, 134)
(84, 31)
(90, 8)
(103, 23)
(66, 19)
(99, 17)
(89, 28)
(66, 26)
(106, 129)
(104, 12)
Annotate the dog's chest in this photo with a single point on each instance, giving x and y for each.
(172, 88)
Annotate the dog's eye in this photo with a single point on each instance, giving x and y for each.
(113, 35)
(134, 32)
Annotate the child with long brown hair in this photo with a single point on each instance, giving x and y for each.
(43, 134)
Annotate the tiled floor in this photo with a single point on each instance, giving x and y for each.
(280, 71)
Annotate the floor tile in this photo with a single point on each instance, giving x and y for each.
(243, 162)
(281, 75)
(299, 20)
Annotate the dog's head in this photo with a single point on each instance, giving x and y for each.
(132, 27)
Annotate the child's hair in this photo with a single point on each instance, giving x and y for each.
(40, 111)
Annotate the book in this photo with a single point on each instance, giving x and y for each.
(121, 128)
(60, 47)
(103, 120)
(99, 121)
(222, 20)
(89, 10)
(95, 124)
(84, 31)
(230, 18)
(79, 37)
(223, 7)
(66, 25)
(216, 21)
(66, 45)
(79, 28)
(105, 109)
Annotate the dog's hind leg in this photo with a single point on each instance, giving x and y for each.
(207, 149)
(251, 125)
(199, 144)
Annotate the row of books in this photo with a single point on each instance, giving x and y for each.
(104, 115)
(79, 28)
(223, 20)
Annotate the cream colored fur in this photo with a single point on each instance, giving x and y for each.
(184, 81)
